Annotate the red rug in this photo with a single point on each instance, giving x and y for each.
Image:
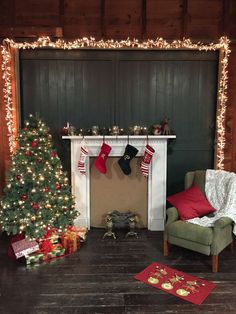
(186, 287)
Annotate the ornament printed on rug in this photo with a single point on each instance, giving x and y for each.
(192, 286)
(169, 284)
(156, 275)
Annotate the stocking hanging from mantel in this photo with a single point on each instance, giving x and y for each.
(100, 162)
(147, 157)
(124, 161)
(82, 158)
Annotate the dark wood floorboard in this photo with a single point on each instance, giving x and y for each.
(99, 279)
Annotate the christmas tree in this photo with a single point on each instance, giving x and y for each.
(37, 194)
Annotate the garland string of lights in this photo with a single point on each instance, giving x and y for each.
(8, 100)
(91, 43)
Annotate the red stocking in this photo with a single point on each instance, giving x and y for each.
(100, 162)
(148, 153)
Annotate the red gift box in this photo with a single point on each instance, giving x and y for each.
(24, 247)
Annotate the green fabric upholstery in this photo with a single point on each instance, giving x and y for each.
(222, 237)
(172, 214)
(200, 179)
(194, 233)
(190, 245)
(188, 180)
(208, 241)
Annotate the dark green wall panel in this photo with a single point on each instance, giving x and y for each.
(107, 87)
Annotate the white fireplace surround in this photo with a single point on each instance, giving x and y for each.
(156, 178)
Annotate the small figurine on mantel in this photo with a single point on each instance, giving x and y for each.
(156, 129)
(165, 127)
(65, 129)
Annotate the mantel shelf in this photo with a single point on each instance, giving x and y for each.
(120, 137)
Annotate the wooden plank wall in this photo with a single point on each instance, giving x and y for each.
(204, 20)
(171, 19)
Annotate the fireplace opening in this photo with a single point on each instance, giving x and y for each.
(117, 191)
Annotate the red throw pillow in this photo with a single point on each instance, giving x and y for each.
(191, 203)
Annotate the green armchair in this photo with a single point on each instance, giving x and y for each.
(205, 240)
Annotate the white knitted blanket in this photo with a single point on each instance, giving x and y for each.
(220, 191)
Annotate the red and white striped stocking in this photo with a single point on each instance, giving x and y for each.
(82, 158)
(147, 157)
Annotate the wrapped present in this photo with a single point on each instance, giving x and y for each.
(57, 250)
(81, 232)
(34, 258)
(69, 241)
(51, 255)
(52, 235)
(24, 247)
(46, 247)
(60, 252)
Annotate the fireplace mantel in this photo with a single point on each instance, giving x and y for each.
(156, 178)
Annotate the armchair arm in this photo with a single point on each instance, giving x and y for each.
(172, 215)
(222, 222)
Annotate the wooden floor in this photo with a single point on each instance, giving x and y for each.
(99, 279)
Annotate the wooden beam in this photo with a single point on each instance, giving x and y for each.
(61, 12)
(30, 32)
(12, 11)
(185, 19)
(103, 34)
(144, 19)
(225, 18)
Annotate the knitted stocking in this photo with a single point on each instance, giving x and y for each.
(100, 162)
(124, 161)
(82, 158)
(148, 153)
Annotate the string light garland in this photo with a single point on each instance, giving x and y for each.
(91, 43)
(7, 92)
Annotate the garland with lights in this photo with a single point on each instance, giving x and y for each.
(91, 43)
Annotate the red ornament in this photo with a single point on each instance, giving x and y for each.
(53, 153)
(18, 177)
(58, 186)
(27, 153)
(46, 189)
(34, 144)
(35, 206)
(24, 197)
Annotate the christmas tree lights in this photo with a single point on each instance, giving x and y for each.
(37, 194)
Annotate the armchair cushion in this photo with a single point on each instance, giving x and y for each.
(185, 230)
(191, 203)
